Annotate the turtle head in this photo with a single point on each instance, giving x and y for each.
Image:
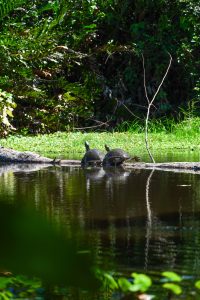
(87, 146)
(107, 148)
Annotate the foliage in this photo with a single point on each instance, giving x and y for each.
(6, 108)
(172, 279)
(35, 247)
(20, 287)
(175, 288)
(68, 64)
(24, 287)
(44, 78)
(141, 283)
(172, 276)
(5, 8)
(138, 283)
(128, 289)
(197, 284)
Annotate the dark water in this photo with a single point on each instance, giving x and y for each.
(135, 220)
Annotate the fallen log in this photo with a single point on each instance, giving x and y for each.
(8, 155)
(175, 167)
(12, 156)
(166, 165)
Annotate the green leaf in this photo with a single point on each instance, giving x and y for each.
(197, 284)
(172, 276)
(135, 288)
(69, 97)
(110, 281)
(9, 112)
(124, 284)
(4, 281)
(175, 288)
(141, 282)
(7, 6)
(6, 295)
(91, 26)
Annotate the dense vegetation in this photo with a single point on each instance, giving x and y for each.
(68, 64)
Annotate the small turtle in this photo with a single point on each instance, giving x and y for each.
(115, 157)
(92, 157)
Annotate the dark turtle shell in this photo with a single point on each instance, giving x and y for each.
(115, 157)
(92, 157)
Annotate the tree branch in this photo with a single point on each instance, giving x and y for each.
(150, 102)
(95, 126)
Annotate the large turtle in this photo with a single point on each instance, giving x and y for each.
(92, 157)
(115, 157)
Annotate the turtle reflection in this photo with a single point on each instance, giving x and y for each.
(119, 174)
(106, 174)
(94, 173)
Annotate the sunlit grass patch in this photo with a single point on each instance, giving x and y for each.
(184, 137)
(71, 145)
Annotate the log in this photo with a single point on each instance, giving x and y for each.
(12, 156)
(8, 155)
(183, 167)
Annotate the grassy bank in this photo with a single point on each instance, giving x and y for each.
(71, 145)
(164, 137)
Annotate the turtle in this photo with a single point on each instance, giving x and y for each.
(92, 157)
(115, 157)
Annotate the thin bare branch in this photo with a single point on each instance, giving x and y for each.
(108, 57)
(131, 112)
(146, 134)
(127, 109)
(158, 89)
(95, 126)
(71, 51)
(150, 103)
(145, 88)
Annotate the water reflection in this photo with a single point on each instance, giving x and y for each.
(149, 219)
(118, 174)
(94, 174)
(131, 219)
(110, 174)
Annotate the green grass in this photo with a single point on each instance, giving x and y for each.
(164, 137)
(71, 145)
(164, 125)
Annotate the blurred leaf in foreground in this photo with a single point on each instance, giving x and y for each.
(32, 246)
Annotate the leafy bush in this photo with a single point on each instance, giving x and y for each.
(6, 108)
(84, 58)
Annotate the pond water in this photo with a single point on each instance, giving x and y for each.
(178, 155)
(133, 220)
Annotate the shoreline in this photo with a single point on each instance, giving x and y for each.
(11, 156)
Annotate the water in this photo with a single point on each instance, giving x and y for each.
(178, 155)
(138, 220)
